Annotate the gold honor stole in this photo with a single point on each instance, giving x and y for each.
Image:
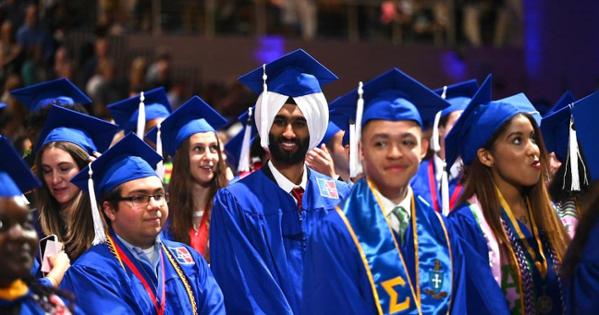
(392, 287)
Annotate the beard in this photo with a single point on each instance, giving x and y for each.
(284, 157)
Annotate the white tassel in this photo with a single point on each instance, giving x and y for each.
(141, 117)
(355, 131)
(444, 93)
(440, 163)
(353, 151)
(264, 110)
(573, 155)
(244, 155)
(444, 192)
(435, 145)
(359, 111)
(160, 165)
(99, 235)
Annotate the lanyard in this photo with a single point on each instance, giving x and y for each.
(432, 184)
(123, 258)
(539, 262)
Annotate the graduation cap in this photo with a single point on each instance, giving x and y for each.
(585, 113)
(15, 176)
(392, 96)
(297, 75)
(569, 127)
(458, 95)
(57, 92)
(88, 132)
(2, 106)
(194, 116)
(481, 119)
(566, 99)
(127, 160)
(238, 147)
(332, 130)
(152, 104)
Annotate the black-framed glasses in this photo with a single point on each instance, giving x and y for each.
(144, 200)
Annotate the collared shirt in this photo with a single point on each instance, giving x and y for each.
(149, 256)
(389, 205)
(284, 182)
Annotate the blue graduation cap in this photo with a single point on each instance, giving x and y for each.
(57, 92)
(391, 96)
(88, 132)
(294, 74)
(481, 119)
(458, 95)
(2, 106)
(126, 112)
(585, 113)
(566, 99)
(297, 75)
(15, 176)
(235, 146)
(194, 116)
(332, 130)
(128, 160)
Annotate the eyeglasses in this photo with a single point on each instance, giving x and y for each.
(144, 200)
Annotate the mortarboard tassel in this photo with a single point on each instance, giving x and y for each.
(244, 155)
(264, 110)
(440, 163)
(355, 131)
(99, 235)
(141, 116)
(573, 157)
(160, 165)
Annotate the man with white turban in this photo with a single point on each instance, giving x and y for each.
(260, 224)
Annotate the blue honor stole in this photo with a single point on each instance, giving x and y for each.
(391, 284)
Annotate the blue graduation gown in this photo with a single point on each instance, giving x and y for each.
(102, 286)
(258, 238)
(493, 301)
(336, 280)
(421, 185)
(582, 286)
(29, 306)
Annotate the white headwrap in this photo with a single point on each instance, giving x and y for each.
(314, 107)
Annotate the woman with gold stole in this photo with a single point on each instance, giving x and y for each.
(505, 213)
(384, 250)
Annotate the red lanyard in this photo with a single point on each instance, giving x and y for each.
(432, 184)
(133, 268)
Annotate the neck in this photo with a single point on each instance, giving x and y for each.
(513, 197)
(293, 172)
(141, 243)
(395, 195)
(200, 194)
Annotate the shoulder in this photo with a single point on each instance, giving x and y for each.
(332, 233)
(330, 190)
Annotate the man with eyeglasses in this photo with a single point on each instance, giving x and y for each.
(131, 270)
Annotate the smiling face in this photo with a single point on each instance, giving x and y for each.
(390, 152)
(289, 137)
(515, 155)
(18, 241)
(58, 167)
(203, 157)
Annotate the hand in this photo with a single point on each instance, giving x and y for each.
(320, 160)
(59, 265)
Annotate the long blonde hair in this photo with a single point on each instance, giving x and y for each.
(478, 180)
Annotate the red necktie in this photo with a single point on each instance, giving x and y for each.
(298, 193)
